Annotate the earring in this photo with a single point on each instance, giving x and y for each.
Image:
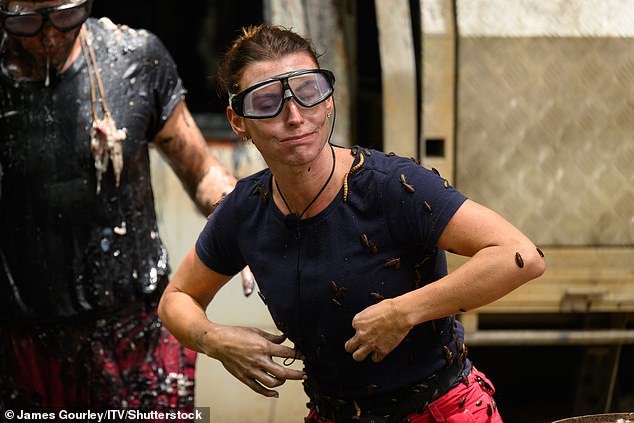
(328, 115)
(245, 139)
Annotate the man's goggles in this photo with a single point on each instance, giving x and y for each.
(64, 18)
(266, 99)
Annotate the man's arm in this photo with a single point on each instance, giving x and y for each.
(204, 178)
(182, 144)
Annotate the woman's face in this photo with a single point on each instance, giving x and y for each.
(297, 135)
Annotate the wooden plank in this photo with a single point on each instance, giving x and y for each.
(620, 259)
(469, 321)
(398, 77)
(438, 86)
(322, 23)
(576, 280)
(288, 13)
(518, 337)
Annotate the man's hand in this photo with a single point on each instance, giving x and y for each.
(248, 281)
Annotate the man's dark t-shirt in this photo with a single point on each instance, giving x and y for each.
(66, 250)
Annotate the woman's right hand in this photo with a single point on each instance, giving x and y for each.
(247, 353)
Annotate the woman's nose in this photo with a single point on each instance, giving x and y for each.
(294, 110)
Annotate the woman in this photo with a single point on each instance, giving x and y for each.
(347, 248)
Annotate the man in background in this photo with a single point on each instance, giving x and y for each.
(82, 265)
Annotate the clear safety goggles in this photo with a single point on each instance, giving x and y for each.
(65, 17)
(266, 98)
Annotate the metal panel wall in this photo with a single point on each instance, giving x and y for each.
(545, 134)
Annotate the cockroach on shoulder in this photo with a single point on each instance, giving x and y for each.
(403, 180)
(261, 192)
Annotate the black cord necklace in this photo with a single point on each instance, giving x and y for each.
(292, 217)
(292, 220)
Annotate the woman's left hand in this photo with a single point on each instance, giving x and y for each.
(379, 329)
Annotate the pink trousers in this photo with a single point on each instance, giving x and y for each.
(462, 404)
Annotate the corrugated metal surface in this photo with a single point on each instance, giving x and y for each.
(528, 18)
(545, 135)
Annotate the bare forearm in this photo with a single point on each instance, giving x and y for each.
(185, 319)
(489, 275)
(184, 147)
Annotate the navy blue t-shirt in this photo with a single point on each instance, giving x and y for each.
(315, 276)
